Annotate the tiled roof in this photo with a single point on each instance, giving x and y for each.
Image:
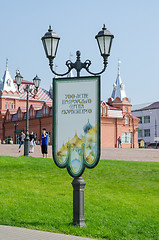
(42, 95)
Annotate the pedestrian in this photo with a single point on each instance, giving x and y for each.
(31, 146)
(44, 142)
(22, 140)
(119, 142)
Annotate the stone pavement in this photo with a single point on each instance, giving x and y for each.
(146, 155)
(15, 233)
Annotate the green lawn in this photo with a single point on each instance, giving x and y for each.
(121, 198)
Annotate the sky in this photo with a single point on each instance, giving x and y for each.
(134, 25)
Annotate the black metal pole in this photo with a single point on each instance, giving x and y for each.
(78, 201)
(15, 125)
(26, 142)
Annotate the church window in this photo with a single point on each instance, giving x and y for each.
(126, 120)
(31, 112)
(46, 110)
(127, 137)
(101, 110)
(19, 114)
(6, 105)
(9, 82)
(8, 116)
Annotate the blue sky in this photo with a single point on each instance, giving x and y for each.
(133, 23)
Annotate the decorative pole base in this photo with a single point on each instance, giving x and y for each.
(26, 147)
(78, 201)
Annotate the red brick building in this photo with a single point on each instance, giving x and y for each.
(116, 117)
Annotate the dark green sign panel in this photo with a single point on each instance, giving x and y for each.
(76, 123)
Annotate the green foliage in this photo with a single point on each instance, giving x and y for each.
(121, 198)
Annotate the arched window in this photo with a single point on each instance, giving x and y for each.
(101, 109)
(105, 110)
(31, 112)
(19, 114)
(46, 110)
(6, 105)
(13, 106)
(127, 120)
(8, 116)
(9, 106)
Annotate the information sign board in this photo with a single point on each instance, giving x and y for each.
(76, 123)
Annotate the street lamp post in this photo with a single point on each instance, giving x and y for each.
(28, 90)
(15, 125)
(50, 42)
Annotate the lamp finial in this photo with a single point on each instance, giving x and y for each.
(50, 30)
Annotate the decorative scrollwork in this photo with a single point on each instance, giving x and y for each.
(78, 66)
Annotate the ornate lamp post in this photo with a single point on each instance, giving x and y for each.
(28, 90)
(50, 42)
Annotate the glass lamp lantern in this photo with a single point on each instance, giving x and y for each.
(104, 39)
(50, 42)
(36, 81)
(18, 79)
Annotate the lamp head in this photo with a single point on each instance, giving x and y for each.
(36, 82)
(50, 42)
(104, 39)
(18, 79)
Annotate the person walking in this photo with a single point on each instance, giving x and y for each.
(44, 143)
(31, 146)
(22, 140)
(119, 142)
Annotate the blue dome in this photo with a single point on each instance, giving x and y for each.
(87, 127)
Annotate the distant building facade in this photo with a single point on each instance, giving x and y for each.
(117, 120)
(116, 117)
(148, 124)
(13, 105)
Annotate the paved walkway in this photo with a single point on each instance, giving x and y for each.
(146, 155)
(15, 233)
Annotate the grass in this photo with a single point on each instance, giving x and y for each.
(121, 198)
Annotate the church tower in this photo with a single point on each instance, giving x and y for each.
(118, 86)
(118, 97)
(7, 83)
